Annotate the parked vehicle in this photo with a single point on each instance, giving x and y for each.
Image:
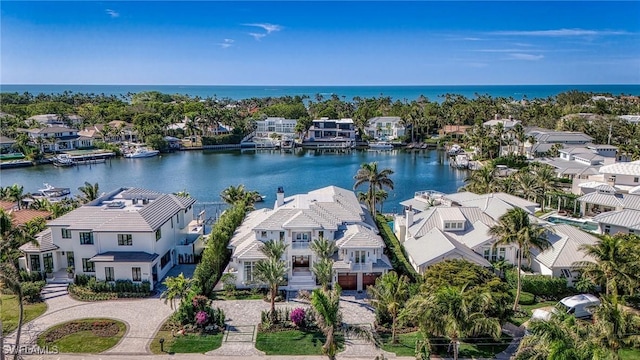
(581, 306)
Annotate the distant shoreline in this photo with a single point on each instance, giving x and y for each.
(347, 92)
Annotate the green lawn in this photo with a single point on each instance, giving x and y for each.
(406, 343)
(10, 312)
(83, 341)
(630, 354)
(293, 342)
(238, 295)
(191, 343)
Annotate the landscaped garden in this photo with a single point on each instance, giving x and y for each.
(87, 288)
(10, 311)
(177, 341)
(89, 336)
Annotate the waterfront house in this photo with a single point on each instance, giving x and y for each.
(385, 127)
(58, 138)
(280, 126)
(127, 234)
(604, 198)
(93, 132)
(633, 119)
(508, 124)
(325, 128)
(6, 143)
(455, 131)
(332, 213)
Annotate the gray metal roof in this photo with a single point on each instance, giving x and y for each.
(566, 241)
(124, 256)
(627, 218)
(626, 201)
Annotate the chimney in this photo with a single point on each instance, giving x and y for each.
(280, 197)
(408, 217)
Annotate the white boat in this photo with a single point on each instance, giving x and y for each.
(455, 149)
(51, 193)
(141, 152)
(63, 160)
(380, 145)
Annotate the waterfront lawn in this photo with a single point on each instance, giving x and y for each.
(406, 345)
(293, 342)
(630, 354)
(10, 312)
(527, 310)
(93, 341)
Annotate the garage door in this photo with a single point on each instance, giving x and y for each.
(348, 281)
(369, 279)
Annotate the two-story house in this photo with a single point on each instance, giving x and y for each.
(332, 213)
(545, 139)
(276, 125)
(127, 234)
(325, 128)
(58, 138)
(385, 127)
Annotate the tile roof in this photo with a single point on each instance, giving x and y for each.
(44, 243)
(23, 216)
(358, 236)
(566, 241)
(124, 256)
(435, 245)
(622, 168)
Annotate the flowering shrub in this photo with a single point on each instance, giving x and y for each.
(200, 302)
(201, 318)
(297, 316)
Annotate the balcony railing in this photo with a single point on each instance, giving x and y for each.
(367, 266)
(300, 244)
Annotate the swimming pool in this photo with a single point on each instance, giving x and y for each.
(582, 224)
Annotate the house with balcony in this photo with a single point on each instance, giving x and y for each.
(331, 133)
(332, 213)
(56, 120)
(58, 138)
(604, 198)
(385, 127)
(285, 128)
(127, 234)
(545, 139)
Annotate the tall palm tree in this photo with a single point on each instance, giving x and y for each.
(323, 247)
(323, 268)
(16, 193)
(483, 180)
(177, 288)
(514, 227)
(272, 272)
(454, 313)
(545, 178)
(615, 265)
(274, 249)
(614, 326)
(326, 304)
(527, 184)
(89, 192)
(389, 295)
(368, 173)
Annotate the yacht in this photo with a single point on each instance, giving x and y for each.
(141, 152)
(63, 160)
(380, 145)
(52, 193)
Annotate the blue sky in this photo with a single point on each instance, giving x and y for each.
(320, 43)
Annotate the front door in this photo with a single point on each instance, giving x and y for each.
(154, 273)
(71, 260)
(300, 262)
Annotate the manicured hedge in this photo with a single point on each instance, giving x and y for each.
(543, 286)
(395, 251)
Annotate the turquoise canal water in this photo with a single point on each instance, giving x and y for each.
(204, 174)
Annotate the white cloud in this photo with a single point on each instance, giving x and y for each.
(561, 33)
(269, 28)
(472, 39)
(226, 43)
(506, 50)
(527, 57)
(257, 36)
(112, 13)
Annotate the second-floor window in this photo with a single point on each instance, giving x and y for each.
(125, 240)
(158, 234)
(86, 238)
(66, 234)
(166, 258)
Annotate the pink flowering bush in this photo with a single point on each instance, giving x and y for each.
(297, 316)
(201, 318)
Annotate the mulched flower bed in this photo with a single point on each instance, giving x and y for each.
(101, 328)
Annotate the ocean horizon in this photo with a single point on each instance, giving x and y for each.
(345, 92)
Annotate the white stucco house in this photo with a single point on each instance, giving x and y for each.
(385, 127)
(276, 125)
(127, 234)
(332, 213)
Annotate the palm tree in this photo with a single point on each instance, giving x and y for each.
(323, 268)
(545, 177)
(527, 184)
(368, 173)
(274, 249)
(614, 326)
(615, 265)
(326, 304)
(11, 238)
(389, 295)
(483, 180)
(177, 287)
(273, 272)
(380, 197)
(183, 193)
(454, 313)
(514, 227)
(89, 192)
(15, 193)
(233, 194)
(324, 248)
